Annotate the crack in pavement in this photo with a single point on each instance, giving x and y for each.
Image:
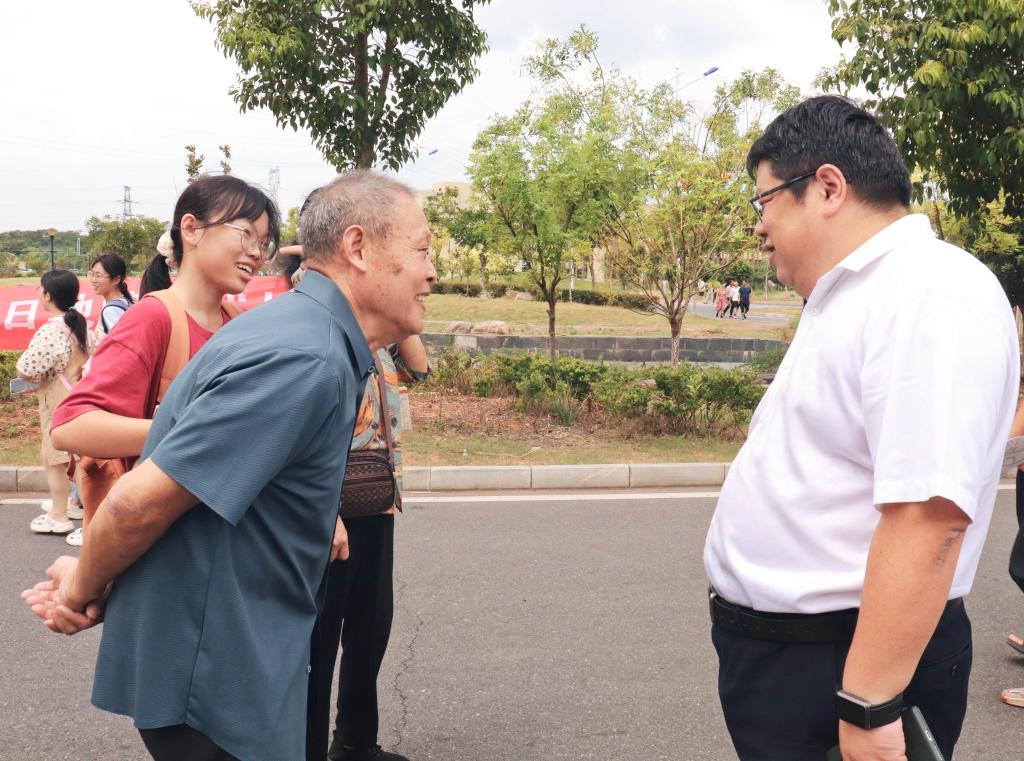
(403, 667)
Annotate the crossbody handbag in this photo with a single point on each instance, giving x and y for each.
(369, 487)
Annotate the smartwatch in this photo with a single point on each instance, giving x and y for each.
(861, 713)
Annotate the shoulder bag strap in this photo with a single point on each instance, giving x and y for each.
(385, 418)
(176, 356)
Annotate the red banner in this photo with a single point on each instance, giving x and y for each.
(23, 312)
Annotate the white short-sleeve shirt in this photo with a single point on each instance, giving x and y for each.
(900, 385)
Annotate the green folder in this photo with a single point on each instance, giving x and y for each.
(921, 745)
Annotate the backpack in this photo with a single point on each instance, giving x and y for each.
(121, 304)
(97, 476)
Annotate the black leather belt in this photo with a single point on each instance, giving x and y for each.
(834, 626)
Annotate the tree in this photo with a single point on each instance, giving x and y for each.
(945, 75)
(193, 163)
(363, 78)
(545, 172)
(466, 225)
(290, 228)
(225, 163)
(133, 239)
(680, 214)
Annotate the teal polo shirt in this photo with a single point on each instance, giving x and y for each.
(211, 626)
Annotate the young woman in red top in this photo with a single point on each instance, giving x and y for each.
(221, 232)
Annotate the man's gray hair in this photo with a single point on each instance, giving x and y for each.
(361, 197)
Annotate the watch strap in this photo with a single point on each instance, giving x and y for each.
(859, 712)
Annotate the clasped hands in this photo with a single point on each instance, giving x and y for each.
(57, 602)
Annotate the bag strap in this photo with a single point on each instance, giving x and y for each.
(385, 417)
(60, 373)
(179, 343)
(176, 356)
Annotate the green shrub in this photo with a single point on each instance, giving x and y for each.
(497, 290)
(8, 359)
(451, 371)
(767, 362)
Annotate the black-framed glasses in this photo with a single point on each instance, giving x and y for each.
(756, 201)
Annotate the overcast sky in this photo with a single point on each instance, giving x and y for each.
(102, 94)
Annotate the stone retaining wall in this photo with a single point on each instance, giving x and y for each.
(611, 348)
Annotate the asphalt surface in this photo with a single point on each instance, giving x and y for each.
(537, 631)
(765, 312)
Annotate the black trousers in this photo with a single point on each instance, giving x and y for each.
(182, 743)
(1017, 553)
(357, 612)
(779, 698)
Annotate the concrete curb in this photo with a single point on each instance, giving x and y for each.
(613, 476)
(31, 478)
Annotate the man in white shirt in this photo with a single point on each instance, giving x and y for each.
(851, 523)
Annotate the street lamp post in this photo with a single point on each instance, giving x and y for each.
(51, 232)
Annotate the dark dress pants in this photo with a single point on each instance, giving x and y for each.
(182, 743)
(779, 697)
(1017, 553)
(357, 612)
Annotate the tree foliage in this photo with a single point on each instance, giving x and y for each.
(363, 78)
(546, 171)
(193, 163)
(466, 227)
(681, 215)
(945, 75)
(133, 239)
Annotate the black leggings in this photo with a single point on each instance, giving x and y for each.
(357, 614)
(182, 743)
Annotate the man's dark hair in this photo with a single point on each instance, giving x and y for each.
(829, 129)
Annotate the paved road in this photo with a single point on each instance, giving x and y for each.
(766, 312)
(537, 631)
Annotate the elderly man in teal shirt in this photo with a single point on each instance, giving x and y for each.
(219, 540)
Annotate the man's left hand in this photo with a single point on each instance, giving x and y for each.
(56, 603)
(881, 744)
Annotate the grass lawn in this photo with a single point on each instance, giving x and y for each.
(530, 318)
(424, 448)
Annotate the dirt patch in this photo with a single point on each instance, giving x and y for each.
(486, 416)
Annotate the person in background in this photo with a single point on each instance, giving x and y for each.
(1015, 695)
(733, 292)
(107, 275)
(721, 300)
(744, 292)
(54, 359)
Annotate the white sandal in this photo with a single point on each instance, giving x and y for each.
(44, 524)
(75, 538)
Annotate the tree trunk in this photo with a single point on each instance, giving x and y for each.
(552, 297)
(361, 81)
(593, 269)
(676, 325)
(483, 275)
(938, 223)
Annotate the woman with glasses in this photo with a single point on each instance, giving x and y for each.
(107, 274)
(220, 234)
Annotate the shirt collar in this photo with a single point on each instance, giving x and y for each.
(903, 230)
(325, 291)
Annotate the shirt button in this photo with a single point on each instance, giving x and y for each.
(309, 669)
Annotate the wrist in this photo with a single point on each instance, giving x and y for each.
(867, 714)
